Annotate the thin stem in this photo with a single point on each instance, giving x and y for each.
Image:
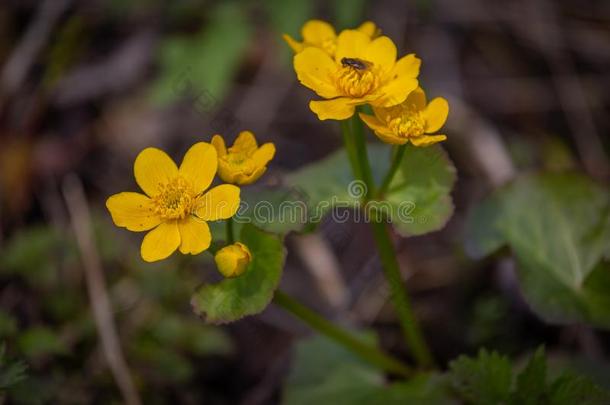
(400, 297)
(350, 148)
(363, 159)
(364, 350)
(230, 234)
(399, 152)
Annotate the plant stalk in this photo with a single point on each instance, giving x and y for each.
(396, 160)
(399, 295)
(364, 350)
(230, 233)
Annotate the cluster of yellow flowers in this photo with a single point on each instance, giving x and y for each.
(355, 67)
(359, 67)
(176, 207)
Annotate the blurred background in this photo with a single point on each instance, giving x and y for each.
(85, 85)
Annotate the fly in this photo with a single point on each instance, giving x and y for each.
(355, 63)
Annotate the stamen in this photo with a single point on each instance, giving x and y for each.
(355, 81)
(175, 200)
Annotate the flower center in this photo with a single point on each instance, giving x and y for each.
(175, 200)
(240, 160)
(407, 121)
(356, 77)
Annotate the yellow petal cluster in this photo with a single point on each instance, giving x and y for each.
(232, 260)
(175, 206)
(413, 121)
(244, 162)
(320, 34)
(363, 70)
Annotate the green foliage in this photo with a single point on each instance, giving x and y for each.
(250, 293)
(204, 65)
(326, 373)
(348, 13)
(11, 372)
(489, 379)
(485, 380)
(40, 341)
(558, 226)
(277, 210)
(418, 199)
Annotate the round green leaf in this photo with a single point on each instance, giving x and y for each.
(250, 293)
(418, 200)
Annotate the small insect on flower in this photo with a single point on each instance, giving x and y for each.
(355, 63)
(174, 208)
(244, 162)
(362, 70)
(411, 121)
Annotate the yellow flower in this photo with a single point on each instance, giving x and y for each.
(410, 121)
(321, 34)
(233, 260)
(363, 70)
(244, 162)
(174, 209)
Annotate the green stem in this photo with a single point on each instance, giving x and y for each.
(364, 350)
(350, 148)
(398, 293)
(400, 298)
(362, 156)
(398, 155)
(230, 234)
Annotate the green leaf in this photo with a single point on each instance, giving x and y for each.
(250, 293)
(484, 380)
(483, 237)
(40, 341)
(418, 200)
(204, 65)
(558, 227)
(572, 389)
(273, 209)
(531, 382)
(326, 373)
(11, 372)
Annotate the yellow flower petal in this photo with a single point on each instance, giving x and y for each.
(408, 66)
(244, 179)
(264, 154)
(317, 31)
(352, 44)
(426, 140)
(315, 69)
(195, 236)
(371, 121)
(381, 130)
(382, 52)
(221, 202)
(436, 114)
(396, 91)
(369, 29)
(153, 168)
(292, 43)
(161, 242)
(336, 109)
(417, 98)
(245, 142)
(389, 137)
(133, 211)
(219, 144)
(199, 166)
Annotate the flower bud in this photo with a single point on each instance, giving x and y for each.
(233, 260)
